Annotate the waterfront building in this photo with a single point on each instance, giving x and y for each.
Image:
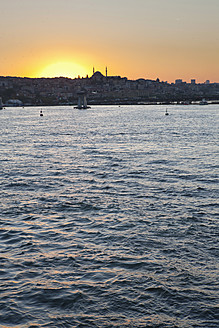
(178, 81)
(13, 103)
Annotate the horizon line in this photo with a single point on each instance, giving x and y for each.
(82, 77)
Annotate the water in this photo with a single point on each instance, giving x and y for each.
(109, 217)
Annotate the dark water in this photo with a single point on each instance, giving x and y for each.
(109, 217)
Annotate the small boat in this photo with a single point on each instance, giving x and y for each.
(82, 107)
(166, 113)
(185, 102)
(203, 102)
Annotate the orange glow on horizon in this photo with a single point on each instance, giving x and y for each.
(168, 39)
(64, 69)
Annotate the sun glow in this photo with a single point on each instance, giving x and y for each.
(64, 69)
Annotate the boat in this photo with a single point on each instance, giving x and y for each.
(203, 102)
(82, 107)
(186, 102)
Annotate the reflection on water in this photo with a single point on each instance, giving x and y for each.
(109, 217)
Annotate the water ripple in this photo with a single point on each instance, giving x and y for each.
(109, 218)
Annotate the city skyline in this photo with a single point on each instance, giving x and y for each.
(147, 39)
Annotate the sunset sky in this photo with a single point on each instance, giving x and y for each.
(166, 39)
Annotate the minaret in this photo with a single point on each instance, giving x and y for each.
(93, 70)
(106, 71)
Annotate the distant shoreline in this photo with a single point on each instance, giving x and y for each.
(118, 104)
(104, 90)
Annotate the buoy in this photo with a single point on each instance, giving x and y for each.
(41, 113)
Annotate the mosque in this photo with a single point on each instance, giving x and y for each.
(99, 77)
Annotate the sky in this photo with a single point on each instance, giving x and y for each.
(165, 39)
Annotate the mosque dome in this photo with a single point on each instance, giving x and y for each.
(97, 76)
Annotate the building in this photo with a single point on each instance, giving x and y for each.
(178, 81)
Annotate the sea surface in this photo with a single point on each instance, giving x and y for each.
(109, 217)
